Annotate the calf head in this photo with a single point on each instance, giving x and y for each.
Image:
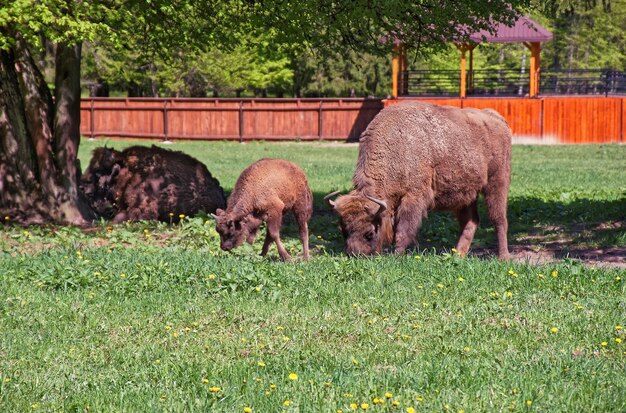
(360, 221)
(235, 228)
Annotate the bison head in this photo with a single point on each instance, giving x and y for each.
(98, 179)
(234, 228)
(361, 222)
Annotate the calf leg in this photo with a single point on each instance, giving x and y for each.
(274, 222)
(409, 217)
(496, 201)
(304, 237)
(302, 218)
(468, 222)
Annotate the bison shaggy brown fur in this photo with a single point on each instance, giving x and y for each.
(143, 182)
(264, 192)
(415, 157)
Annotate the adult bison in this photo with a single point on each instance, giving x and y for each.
(415, 157)
(143, 182)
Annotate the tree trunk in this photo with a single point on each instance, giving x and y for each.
(39, 139)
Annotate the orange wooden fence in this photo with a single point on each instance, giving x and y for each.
(547, 119)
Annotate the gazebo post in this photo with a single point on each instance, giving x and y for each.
(463, 48)
(394, 70)
(535, 51)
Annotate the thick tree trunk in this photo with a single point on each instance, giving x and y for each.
(38, 166)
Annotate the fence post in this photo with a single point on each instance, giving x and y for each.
(320, 124)
(241, 121)
(165, 122)
(92, 134)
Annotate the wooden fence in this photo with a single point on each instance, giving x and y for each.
(547, 119)
(230, 119)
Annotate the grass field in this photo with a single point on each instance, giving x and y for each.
(154, 317)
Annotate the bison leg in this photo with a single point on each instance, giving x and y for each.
(302, 218)
(468, 222)
(408, 222)
(274, 222)
(266, 244)
(496, 201)
(304, 237)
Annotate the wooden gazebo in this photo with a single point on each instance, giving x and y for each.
(525, 31)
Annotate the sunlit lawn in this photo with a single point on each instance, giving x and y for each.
(153, 317)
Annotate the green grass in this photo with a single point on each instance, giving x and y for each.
(153, 317)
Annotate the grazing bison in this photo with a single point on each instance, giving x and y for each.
(143, 182)
(264, 192)
(415, 157)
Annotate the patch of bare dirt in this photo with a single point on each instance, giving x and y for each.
(576, 241)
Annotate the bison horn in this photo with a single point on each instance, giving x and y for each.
(328, 199)
(383, 204)
(214, 216)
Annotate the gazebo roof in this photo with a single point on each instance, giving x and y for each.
(524, 30)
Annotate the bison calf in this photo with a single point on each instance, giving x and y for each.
(264, 192)
(415, 157)
(149, 183)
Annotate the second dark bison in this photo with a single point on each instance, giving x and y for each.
(143, 182)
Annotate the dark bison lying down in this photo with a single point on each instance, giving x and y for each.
(149, 183)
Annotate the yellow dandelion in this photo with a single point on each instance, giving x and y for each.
(365, 406)
(555, 273)
(395, 403)
(618, 327)
(285, 338)
(604, 344)
(529, 403)
(171, 214)
(354, 406)
(280, 328)
(257, 289)
(261, 364)
(211, 276)
(410, 410)
(181, 216)
(419, 399)
(34, 405)
(461, 279)
(540, 275)
(417, 257)
(618, 340)
(175, 335)
(287, 403)
(123, 275)
(388, 395)
(168, 327)
(247, 410)
(509, 294)
(157, 361)
(215, 389)
(355, 362)
(205, 380)
(618, 278)
(554, 329)
(377, 400)
(7, 380)
(466, 349)
(293, 376)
